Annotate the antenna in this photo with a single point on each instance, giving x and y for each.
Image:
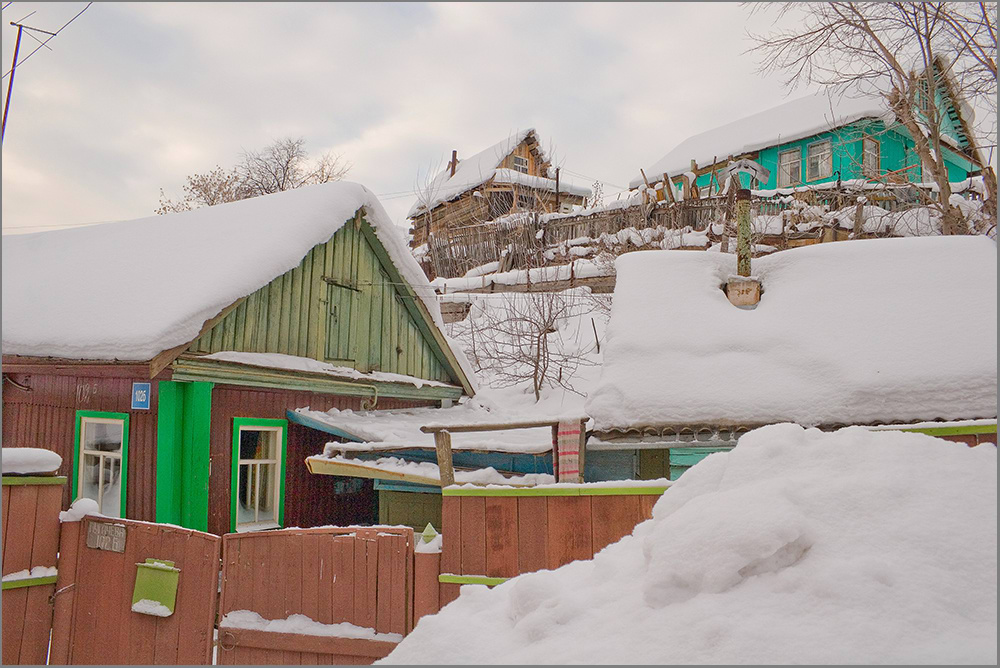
(10, 84)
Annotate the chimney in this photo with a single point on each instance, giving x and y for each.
(454, 161)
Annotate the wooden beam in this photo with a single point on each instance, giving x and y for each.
(437, 428)
(446, 469)
(297, 642)
(165, 358)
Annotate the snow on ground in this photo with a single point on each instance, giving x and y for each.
(132, 289)
(881, 330)
(798, 546)
(29, 460)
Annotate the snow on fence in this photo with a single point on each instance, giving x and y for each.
(308, 587)
(31, 506)
(491, 534)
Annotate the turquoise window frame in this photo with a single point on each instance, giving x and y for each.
(242, 422)
(104, 415)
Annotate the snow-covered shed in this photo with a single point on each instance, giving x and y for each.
(816, 139)
(513, 175)
(886, 331)
(164, 353)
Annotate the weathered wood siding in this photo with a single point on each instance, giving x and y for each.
(45, 417)
(310, 500)
(338, 305)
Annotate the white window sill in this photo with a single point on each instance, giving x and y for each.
(256, 526)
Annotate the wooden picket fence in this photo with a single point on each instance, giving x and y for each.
(31, 506)
(363, 576)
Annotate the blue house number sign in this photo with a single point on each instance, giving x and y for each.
(140, 396)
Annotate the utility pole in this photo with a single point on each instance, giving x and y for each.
(13, 67)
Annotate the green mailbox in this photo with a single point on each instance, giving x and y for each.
(155, 588)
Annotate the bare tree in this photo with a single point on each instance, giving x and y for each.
(894, 50)
(516, 338)
(282, 165)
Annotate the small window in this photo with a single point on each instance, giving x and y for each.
(789, 168)
(870, 162)
(819, 160)
(100, 460)
(520, 164)
(258, 474)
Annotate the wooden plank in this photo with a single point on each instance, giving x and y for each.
(646, 503)
(473, 535)
(355, 647)
(569, 530)
(137, 633)
(431, 428)
(613, 517)
(292, 579)
(445, 462)
(196, 600)
(383, 594)
(501, 537)
(6, 514)
(15, 604)
(37, 624)
(310, 566)
(168, 629)
(370, 537)
(343, 586)
(532, 533)
(21, 531)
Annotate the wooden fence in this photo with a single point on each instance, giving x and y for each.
(94, 621)
(31, 508)
(363, 576)
(492, 534)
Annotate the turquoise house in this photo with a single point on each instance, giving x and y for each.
(814, 140)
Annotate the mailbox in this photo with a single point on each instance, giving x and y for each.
(155, 588)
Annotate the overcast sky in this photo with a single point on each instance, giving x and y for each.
(133, 97)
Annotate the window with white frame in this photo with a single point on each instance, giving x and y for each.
(789, 168)
(870, 157)
(258, 485)
(819, 160)
(101, 459)
(520, 164)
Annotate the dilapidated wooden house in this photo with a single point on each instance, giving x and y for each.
(161, 357)
(511, 176)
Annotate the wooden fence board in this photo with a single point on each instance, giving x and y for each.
(501, 536)
(165, 647)
(646, 503)
(17, 555)
(6, 513)
(343, 589)
(569, 530)
(532, 533)
(613, 518)
(473, 535)
(15, 605)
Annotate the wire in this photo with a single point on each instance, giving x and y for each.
(48, 40)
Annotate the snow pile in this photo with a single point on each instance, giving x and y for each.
(132, 289)
(577, 269)
(787, 122)
(35, 572)
(80, 509)
(880, 330)
(797, 547)
(246, 619)
(150, 607)
(309, 365)
(29, 460)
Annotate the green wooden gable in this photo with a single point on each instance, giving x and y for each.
(345, 304)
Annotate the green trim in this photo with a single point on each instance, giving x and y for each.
(187, 369)
(955, 431)
(33, 480)
(234, 480)
(554, 491)
(30, 582)
(448, 578)
(76, 450)
(183, 433)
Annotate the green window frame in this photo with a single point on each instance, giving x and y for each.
(241, 425)
(101, 416)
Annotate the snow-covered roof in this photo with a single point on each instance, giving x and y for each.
(790, 121)
(132, 289)
(774, 553)
(480, 168)
(858, 332)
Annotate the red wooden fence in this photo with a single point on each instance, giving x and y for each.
(31, 508)
(363, 576)
(490, 534)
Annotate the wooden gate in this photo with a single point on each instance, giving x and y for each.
(363, 576)
(94, 620)
(30, 541)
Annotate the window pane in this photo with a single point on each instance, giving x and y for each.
(257, 444)
(111, 495)
(90, 477)
(266, 508)
(102, 436)
(818, 160)
(247, 496)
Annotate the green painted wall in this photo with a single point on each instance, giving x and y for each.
(342, 304)
(184, 420)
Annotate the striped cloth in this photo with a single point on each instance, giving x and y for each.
(567, 447)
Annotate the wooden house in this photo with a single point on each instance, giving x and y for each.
(815, 140)
(160, 357)
(880, 333)
(511, 176)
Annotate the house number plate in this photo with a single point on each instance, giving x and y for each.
(105, 536)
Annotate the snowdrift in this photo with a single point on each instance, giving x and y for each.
(799, 546)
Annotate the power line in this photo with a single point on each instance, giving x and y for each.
(37, 48)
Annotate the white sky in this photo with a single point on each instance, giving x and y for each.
(133, 97)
